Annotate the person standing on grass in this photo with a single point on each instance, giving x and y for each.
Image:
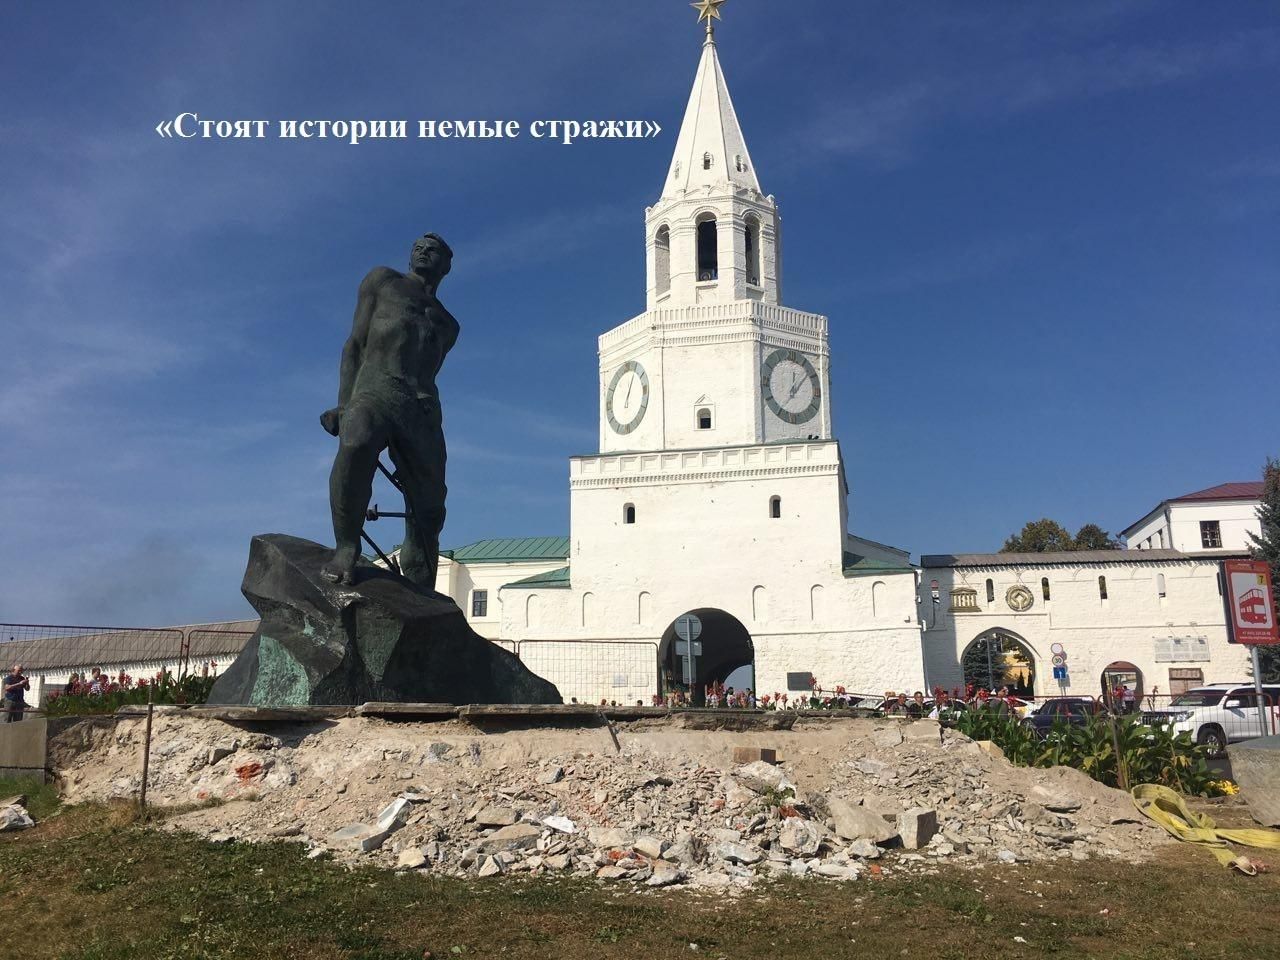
(15, 688)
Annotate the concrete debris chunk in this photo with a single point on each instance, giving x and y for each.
(887, 737)
(801, 837)
(494, 816)
(609, 838)
(737, 853)
(518, 836)
(916, 827)
(859, 823)
(665, 874)
(745, 755)
(14, 817)
(411, 859)
(651, 847)
(761, 776)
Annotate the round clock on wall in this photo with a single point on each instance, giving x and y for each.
(791, 386)
(627, 398)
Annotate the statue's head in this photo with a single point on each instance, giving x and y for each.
(431, 257)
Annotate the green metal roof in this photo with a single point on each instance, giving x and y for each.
(510, 549)
(551, 580)
(856, 565)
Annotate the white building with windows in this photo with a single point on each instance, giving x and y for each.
(1218, 518)
(1152, 619)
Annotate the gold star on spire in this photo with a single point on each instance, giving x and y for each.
(708, 10)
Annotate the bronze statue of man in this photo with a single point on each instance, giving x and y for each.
(387, 400)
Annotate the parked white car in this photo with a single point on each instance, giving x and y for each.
(1220, 713)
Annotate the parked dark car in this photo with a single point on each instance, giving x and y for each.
(1073, 711)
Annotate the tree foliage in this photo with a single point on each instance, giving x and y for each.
(1046, 536)
(1267, 547)
(1093, 537)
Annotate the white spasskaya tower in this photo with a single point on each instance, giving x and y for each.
(719, 487)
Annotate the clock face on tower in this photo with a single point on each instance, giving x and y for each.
(791, 386)
(627, 397)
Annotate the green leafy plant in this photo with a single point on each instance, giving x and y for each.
(165, 688)
(1117, 751)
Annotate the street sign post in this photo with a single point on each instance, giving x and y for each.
(689, 629)
(1251, 615)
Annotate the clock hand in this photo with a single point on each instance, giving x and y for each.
(626, 401)
(795, 387)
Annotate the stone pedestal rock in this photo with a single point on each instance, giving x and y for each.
(386, 639)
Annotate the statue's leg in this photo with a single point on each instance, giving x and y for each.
(419, 456)
(361, 438)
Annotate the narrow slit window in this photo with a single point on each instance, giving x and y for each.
(991, 591)
(1102, 588)
(629, 513)
(706, 161)
(775, 508)
(1160, 586)
(1044, 588)
(662, 259)
(708, 250)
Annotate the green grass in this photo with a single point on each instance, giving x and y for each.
(94, 884)
(42, 798)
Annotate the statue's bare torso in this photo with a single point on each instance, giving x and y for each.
(409, 333)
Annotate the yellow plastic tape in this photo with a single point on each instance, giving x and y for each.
(1168, 809)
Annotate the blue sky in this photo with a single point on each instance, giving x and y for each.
(1047, 237)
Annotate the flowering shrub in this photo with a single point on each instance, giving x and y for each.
(109, 694)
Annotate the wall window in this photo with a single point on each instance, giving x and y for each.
(878, 605)
(662, 259)
(775, 507)
(815, 602)
(1182, 679)
(704, 418)
(991, 591)
(1044, 588)
(1210, 534)
(740, 164)
(752, 238)
(706, 161)
(1160, 588)
(629, 513)
(1102, 588)
(708, 249)
(479, 603)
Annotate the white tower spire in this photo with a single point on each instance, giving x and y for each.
(710, 150)
(713, 237)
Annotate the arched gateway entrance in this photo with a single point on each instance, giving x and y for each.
(725, 646)
(1000, 658)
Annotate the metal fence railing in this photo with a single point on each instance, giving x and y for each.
(56, 657)
(623, 673)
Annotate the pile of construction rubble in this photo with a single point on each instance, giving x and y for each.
(666, 806)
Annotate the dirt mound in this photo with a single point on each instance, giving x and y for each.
(669, 806)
